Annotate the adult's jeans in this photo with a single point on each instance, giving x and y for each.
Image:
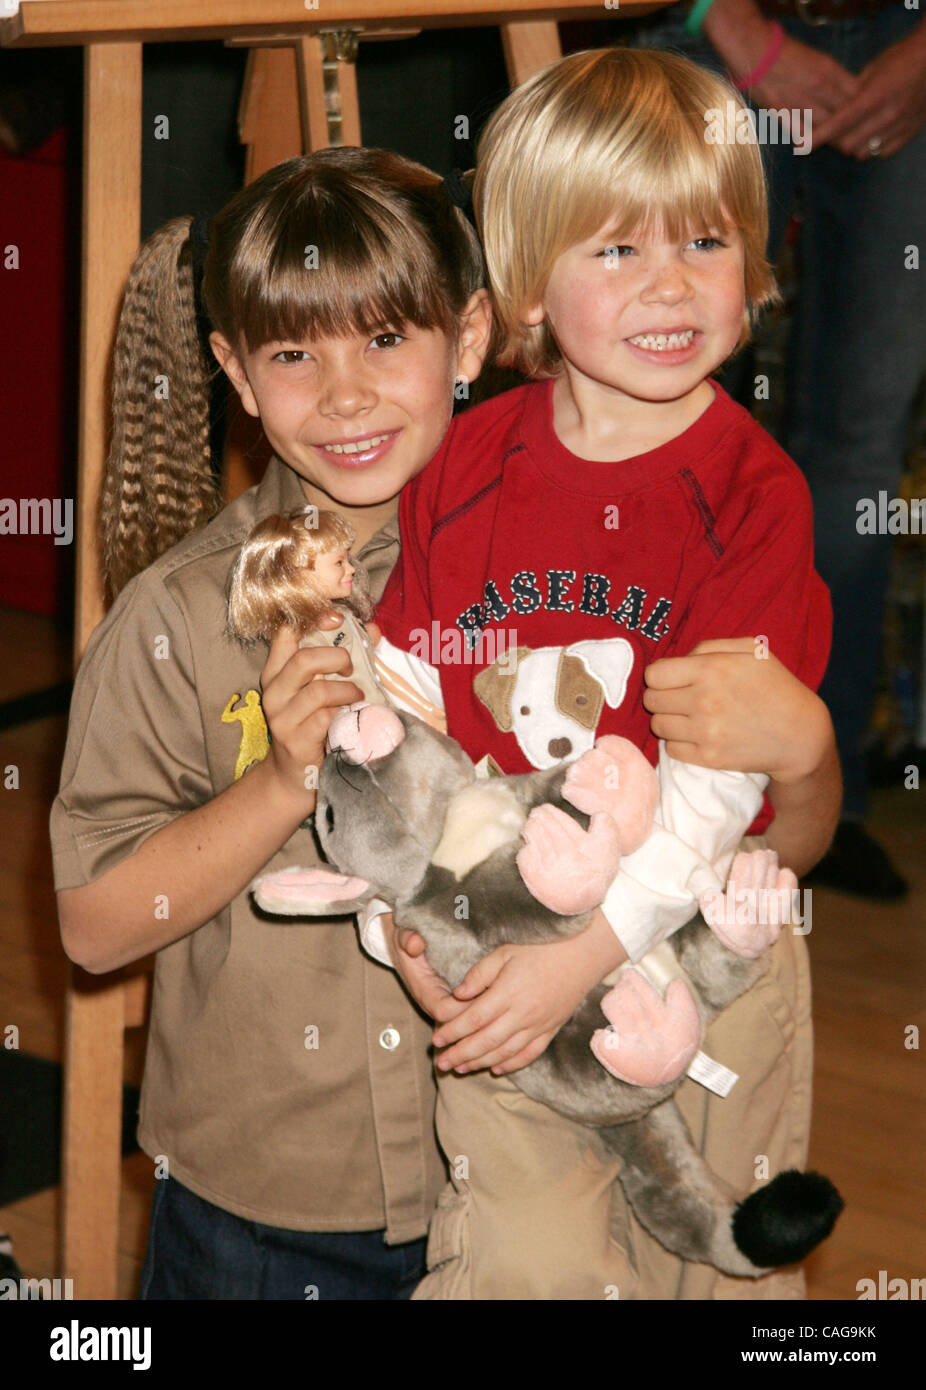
(857, 353)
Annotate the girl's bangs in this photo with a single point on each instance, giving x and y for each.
(298, 278)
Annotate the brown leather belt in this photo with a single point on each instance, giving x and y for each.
(824, 11)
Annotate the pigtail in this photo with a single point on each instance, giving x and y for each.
(159, 483)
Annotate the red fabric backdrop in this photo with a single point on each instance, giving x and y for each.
(40, 216)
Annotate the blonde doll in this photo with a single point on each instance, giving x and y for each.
(294, 570)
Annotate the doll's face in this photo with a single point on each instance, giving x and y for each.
(334, 574)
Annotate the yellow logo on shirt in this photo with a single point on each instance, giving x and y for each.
(255, 737)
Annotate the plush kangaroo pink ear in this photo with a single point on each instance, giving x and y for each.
(308, 892)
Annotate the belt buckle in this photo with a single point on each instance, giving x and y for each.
(808, 17)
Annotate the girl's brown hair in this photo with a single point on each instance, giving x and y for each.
(272, 584)
(338, 241)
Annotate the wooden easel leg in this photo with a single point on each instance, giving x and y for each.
(92, 1133)
(111, 229)
(268, 116)
(529, 46)
(92, 1121)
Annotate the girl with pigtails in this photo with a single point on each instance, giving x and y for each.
(287, 1081)
(288, 1089)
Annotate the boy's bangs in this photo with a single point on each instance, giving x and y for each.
(665, 177)
(332, 274)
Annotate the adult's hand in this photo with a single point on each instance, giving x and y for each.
(889, 106)
(801, 78)
(804, 79)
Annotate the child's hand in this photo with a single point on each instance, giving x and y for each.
(299, 705)
(724, 707)
(428, 989)
(525, 995)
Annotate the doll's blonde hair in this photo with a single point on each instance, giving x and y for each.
(273, 583)
(612, 137)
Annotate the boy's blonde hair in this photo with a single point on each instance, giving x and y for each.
(616, 134)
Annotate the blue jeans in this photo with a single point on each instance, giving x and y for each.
(199, 1251)
(857, 354)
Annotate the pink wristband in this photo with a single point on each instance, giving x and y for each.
(766, 62)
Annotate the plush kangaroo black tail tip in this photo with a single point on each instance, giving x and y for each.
(783, 1221)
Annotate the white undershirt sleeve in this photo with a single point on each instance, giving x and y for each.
(411, 683)
(372, 937)
(701, 818)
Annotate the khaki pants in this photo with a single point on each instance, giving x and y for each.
(534, 1211)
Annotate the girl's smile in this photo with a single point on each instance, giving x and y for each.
(358, 416)
(360, 451)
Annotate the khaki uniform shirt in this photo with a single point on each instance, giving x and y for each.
(287, 1076)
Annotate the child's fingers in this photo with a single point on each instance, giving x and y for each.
(409, 941)
(724, 644)
(282, 647)
(523, 1058)
(676, 727)
(488, 1048)
(669, 673)
(468, 1021)
(330, 620)
(675, 672)
(482, 1024)
(446, 1008)
(303, 666)
(305, 672)
(309, 710)
(519, 1050)
(678, 699)
(482, 974)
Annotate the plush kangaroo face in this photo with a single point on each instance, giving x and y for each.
(383, 795)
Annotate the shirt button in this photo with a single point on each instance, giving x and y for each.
(389, 1038)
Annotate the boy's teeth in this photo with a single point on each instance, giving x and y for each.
(359, 447)
(664, 342)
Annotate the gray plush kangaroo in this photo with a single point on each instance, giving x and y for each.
(402, 814)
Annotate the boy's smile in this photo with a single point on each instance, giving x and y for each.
(641, 323)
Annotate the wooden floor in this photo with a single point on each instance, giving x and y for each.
(869, 970)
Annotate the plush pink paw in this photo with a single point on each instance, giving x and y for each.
(747, 917)
(651, 1040)
(566, 868)
(616, 778)
(364, 732)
